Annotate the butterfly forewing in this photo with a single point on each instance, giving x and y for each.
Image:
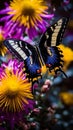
(54, 34)
(15, 48)
(27, 53)
(62, 30)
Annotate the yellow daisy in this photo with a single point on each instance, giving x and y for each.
(15, 91)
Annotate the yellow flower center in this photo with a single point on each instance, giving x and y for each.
(12, 85)
(28, 11)
(27, 8)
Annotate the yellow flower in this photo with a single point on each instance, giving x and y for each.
(67, 52)
(14, 91)
(67, 98)
(68, 55)
(3, 49)
(28, 12)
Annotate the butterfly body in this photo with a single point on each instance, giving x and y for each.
(45, 53)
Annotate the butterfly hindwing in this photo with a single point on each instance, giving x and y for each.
(52, 57)
(27, 53)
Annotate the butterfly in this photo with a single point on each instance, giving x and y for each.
(46, 52)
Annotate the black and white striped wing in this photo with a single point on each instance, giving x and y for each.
(54, 34)
(27, 53)
(52, 37)
(17, 48)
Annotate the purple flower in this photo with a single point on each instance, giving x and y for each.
(16, 99)
(28, 17)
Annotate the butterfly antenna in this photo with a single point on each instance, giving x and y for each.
(61, 72)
